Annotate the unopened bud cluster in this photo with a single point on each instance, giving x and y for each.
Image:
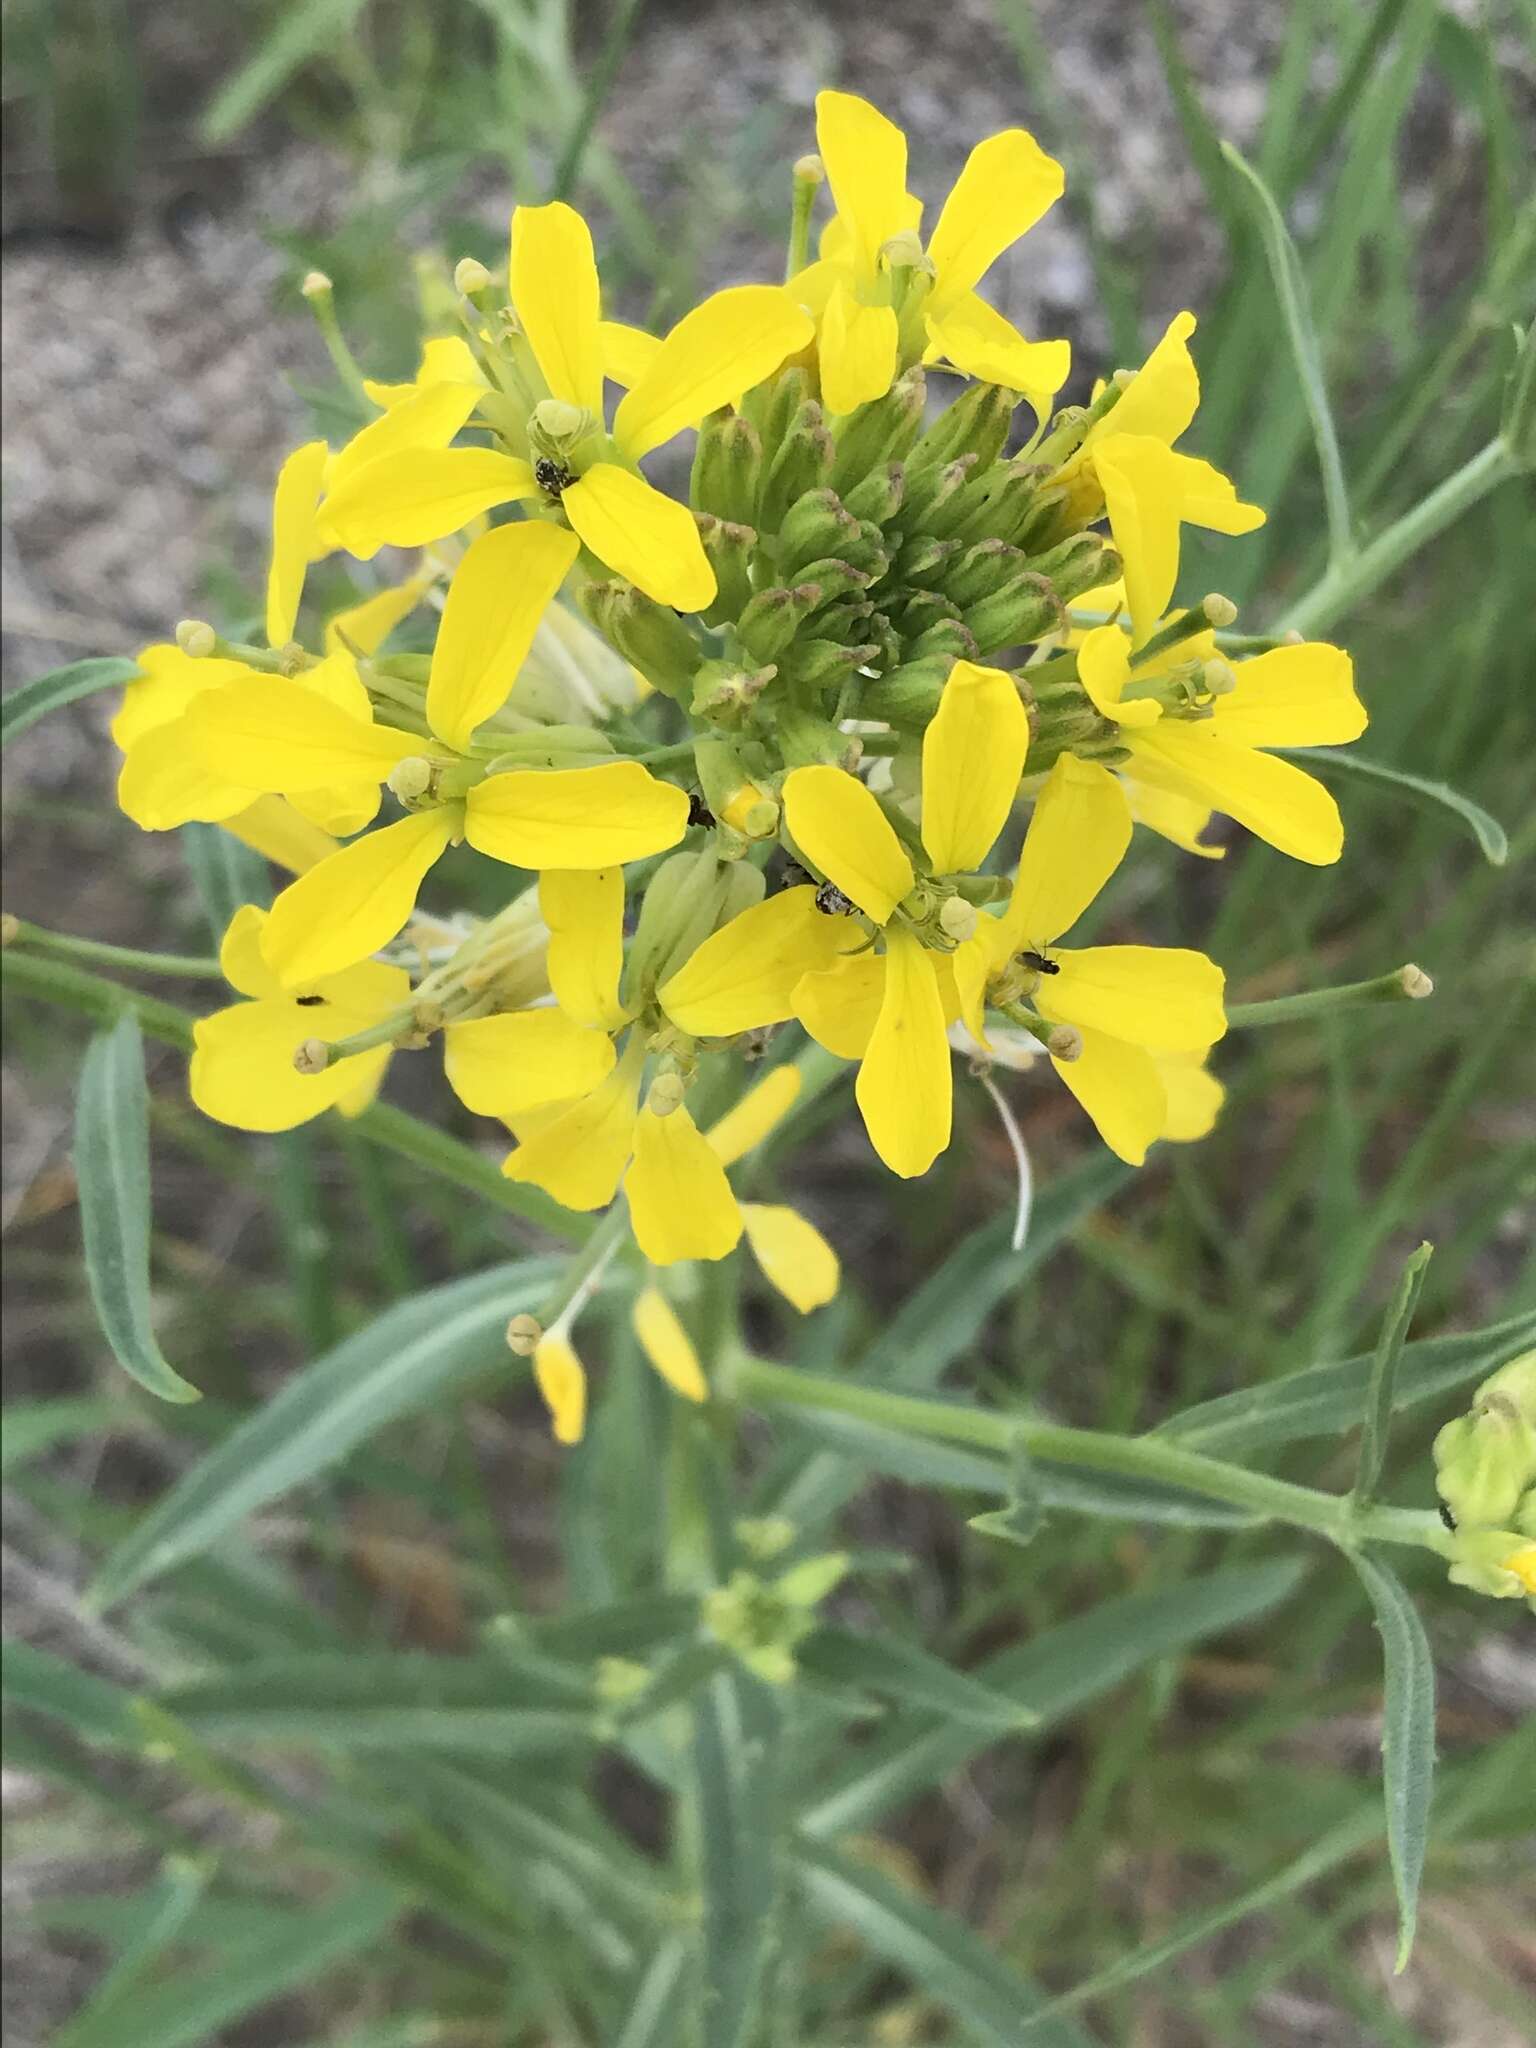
(1485, 1471)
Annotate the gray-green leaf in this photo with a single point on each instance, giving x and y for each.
(1407, 1739)
(1377, 1421)
(61, 686)
(1484, 827)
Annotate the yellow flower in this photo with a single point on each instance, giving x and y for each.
(242, 1070)
(872, 268)
(1148, 488)
(1300, 696)
(714, 354)
(274, 732)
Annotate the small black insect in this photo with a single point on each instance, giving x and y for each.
(831, 901)
(1448, 1518)
(308, 1002)
(1037, 963)
(551, 476)
(699, 812)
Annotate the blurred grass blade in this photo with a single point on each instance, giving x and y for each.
(1486, 830)
(739, 1814)
(423, 1353)
(938, 1954)
(302, 30)
(1380, 1396)
(165, 1909)
(1021, 1521)
(1407, 1739)
(1325, 1400)
(652, 2019)
(1295, 309)
(226, 873)
(92, 1708)
(32, 1427)
(24, 707)
(112, 1168)
(909, 1676)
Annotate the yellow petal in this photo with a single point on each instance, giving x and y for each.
(504, 1065)
(294, 504)
(1164, 996)
(628, 352)
(495, 601)
(1141, 498)
(680, 1201)
(744, 975)
(356, 901)
(1121, 1090)
(667, 1345)
(642, 535)
(840, 1005)
(584, 910)
(978, 341)
(364, 627)
(336, 680)
(279, 833)
(575, 817)
(973, 757)
(713, 354)
(904, 1088)
(279, 737)
(761, 1110)
(563, 1384)
(856, 351)
(169, 682)
(554, 290)
(1292, 697)
(1175, 817)
(1209, 499)
(429, 418)
(416, 496)
(1104, 669)
(1194, 1096)
(1076, 839)
(794, 1256)
(164, 783)
(866, 160)
(445, 359)
(1276, 799)
(1163, 396)
(580, 1155)
(842, 831)
(241, 960)
(1007, 184)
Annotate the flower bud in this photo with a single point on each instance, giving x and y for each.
(195, 637)
(976, 423)
(907, 696)
(879, 494)
(729, 547)
(1498, 1562)
(1485, 1461)
(650, 636)
(802, 462)
(470, 276)
(727, 468)
(882, 431)
(316, 285)
(1024, 610)
(817, 526)
(524, 1333)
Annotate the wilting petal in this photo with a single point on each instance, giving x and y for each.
(1007, 184)
(1121, 1090)
(575, 817)
(973, 757)
(497, 597)
(1163, 396)
(667, 1345)
(980, 342)
(1076, 839)
(866, 161)
(356, 901)
(840, 828)
(1276, 799)
(505, 1065)
(1292, 697)
(584, 910)
(794, 1256)
(1194, 1096)
(856, 350)
(715, 353)
(641, 534)
(904, 1088)
(744, 975)
(1164, 996)
(1174, 816)
(840, 1005)
(294, 505)
(628, 352)
(563, 1384)
(278, 737)
(759, 1111)
(429, 418)
(680, 1201)
(579, 1155)
(554, 292)
(416, 496)
(1104, 669)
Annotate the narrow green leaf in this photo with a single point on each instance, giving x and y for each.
(32, 1427)
(652, 2019)
(1021, 1521)
(164, 1912)
(1380, 1397)
(112, 1168)
(1296, 311)
(24, 707)
(740, 1816)
(909, 1676)
(313, 28)
(1325, 1400)
(416, 1356)
(930, 1949)
(1407, 1739)
(1484, 827)
(90, 1707)
(226, 874)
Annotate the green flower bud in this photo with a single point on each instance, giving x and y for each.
(727, 468)
(677, 914)
(650, 636)
(1498, 1562)
(1025, 609)
(729, 548)
(772, 619)
(879, 494)
(724, 691)
(882, 431)
(801, 463)
(1485, 1461)
(981, 571)
(976, 424)
(928, 504)
(908, 696)
(817, 526)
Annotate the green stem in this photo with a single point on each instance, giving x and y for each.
(1343, 586)
(1403, 985)
(581, 1276)
(186, 966)
(1146, 1458)
(599, 85)
(808, 182)
(323, 305)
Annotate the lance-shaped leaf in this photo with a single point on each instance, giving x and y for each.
(1407, 1739)
(1377, 1420)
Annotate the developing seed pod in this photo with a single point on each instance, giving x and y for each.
(976, 423)
(882, 431)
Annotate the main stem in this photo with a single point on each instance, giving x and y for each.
(1130, 1457)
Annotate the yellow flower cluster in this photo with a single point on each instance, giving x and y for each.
(747, 758)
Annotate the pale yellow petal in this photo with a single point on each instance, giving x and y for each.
(628, 352)
(973, 757)
(1122, 1091)
(1007, 184)
(1276, 799)
(554, 289)
(497, 597)
(519, 1060)
(866, 161)
(840, 828)
(722, 348)
(294, 505)
(1195, 1096)
(761, 1110)
(980, 342)
(584, 910)
(856, 350)
(1292, 697)
(575, 817)
(416, 496)
(667, 1345)
(745, 974)
(794, 1256)
(840, 1005)
(1077, 837)
(642, 535)
(904, 1089)
(355, 902)
(561, 1381)
(680, 1201)
(1163, 996)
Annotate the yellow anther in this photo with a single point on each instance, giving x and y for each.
(196, 637)
(957, 919)
(316, 285)
(1064, 1042)
(312, 1057)
(410, 778)
(524, 1333)
(470, 276)
(665, 1094)
(1416, 983)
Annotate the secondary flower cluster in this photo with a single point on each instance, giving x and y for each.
(747, 757)
(1485, 1470)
